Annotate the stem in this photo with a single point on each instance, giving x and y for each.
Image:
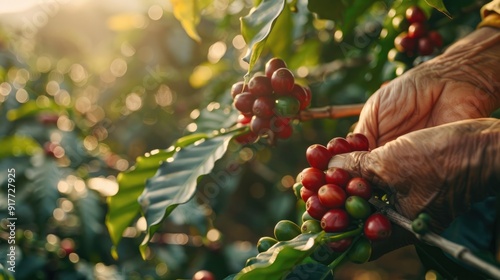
(331, 112)
(456, 250)
(233, 129)
(340, 236)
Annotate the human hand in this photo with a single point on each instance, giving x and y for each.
(440, 170)
(462, 83)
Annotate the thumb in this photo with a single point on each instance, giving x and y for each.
(361, 164)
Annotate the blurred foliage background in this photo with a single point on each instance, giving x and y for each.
(88, 86)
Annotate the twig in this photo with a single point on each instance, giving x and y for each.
(457, 251)
(331, 112)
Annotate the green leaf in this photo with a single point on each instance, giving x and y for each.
(280, 40)
(176, 180)
(31, 108)
(256, 27)
(280, 259)
(439, 5)
(90, 213)
(188, 13)
(41, 192)
(213, 119)
(344, 13)
(332, 10)
(123, 207)
(18, 145)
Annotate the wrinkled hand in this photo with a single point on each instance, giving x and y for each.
(463, 83)
(440, 170)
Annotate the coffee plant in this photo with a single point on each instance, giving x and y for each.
(205, 154)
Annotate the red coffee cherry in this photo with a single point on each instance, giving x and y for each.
(341, 245)
(335, 220)
(436, 38)
(425, 46)
(338, 145)
(318, 156)
(337, 176)
(313, 178)
(260, 85)
(302, 95)
(315, 208)
(358, 142)
(282, 127)
(417, 30)
(263, 107)
(272, 65)
(238, 88)
(359, 187)
(332, 196)
(244, 119)
(282, 81)
(203, 275)
(260, 126)
(243, 102)
(305, 194)
(377, 227)
(404, 43)
(415, 14)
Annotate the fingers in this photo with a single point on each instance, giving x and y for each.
(362, 164)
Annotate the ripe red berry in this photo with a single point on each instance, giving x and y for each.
(260, 85)
(337, 176)
(244, 119)
(282, 81)
(425, 46)
(263, 107)
(312, 178)
(358, 142)
(238, 88)
(335, 220)
(243, 102)
(359, 187)
(302, 95)
(260, 126)
(47, 118)
(305, 194)
(341, 245)
(246, 138)
(417, 30)
(338, 145)
(318, 156)
(405, 44)
(332, 196)
(415, 14)
(203, 275)
(282, 127)
(377, 227)
(315, 208)
(272, 65)
(436, 38)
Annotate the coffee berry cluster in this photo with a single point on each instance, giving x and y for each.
(416, 38)
(334, 198)
(335, 203)
(269, 101)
